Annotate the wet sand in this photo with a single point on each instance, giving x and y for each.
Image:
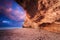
(28, 34)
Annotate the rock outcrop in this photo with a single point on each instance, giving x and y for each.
(41, 13)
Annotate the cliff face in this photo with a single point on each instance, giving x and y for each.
(41, 12)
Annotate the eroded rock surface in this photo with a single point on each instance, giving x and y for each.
(40, 12)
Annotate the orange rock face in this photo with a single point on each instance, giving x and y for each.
(41, 13)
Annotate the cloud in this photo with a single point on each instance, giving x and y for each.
(15, 14)
(17, 11)
(0, 7)
(8, 9)
(13, 11)
(20, 14)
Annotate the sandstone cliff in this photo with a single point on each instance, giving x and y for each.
(42, 13)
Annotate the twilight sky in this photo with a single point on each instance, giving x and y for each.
(11, 14)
